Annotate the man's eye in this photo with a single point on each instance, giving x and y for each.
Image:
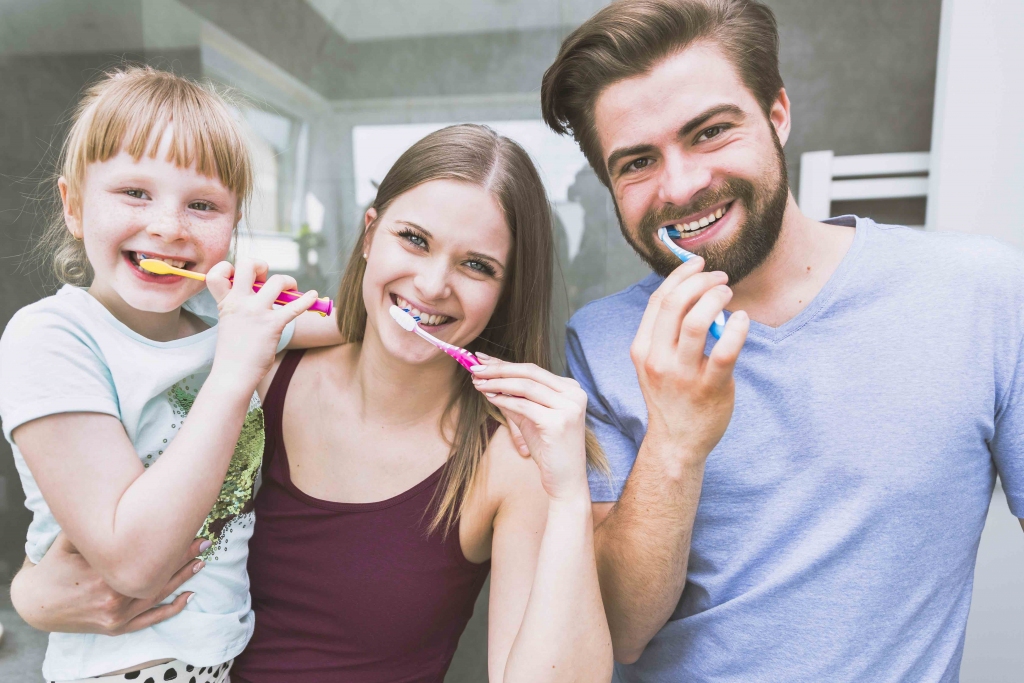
(712, 132)
(201, 206)
(637, 165)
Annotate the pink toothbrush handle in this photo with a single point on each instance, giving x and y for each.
(464, 358)
(322, 306)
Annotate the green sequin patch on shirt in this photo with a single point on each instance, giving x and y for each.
(236, 493)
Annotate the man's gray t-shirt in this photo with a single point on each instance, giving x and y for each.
(839, 521)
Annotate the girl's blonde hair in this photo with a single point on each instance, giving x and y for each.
(128, 110)
(519, 328)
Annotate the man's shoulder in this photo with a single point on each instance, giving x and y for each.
(615, 313)
(978, 258)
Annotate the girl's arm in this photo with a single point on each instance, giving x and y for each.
(547, 620)
(133, 524)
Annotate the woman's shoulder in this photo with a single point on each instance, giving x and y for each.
(506, 473)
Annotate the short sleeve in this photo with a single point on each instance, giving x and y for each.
(619, 448)
(48, 366)
(1007, 446)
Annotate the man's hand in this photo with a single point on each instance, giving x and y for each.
(64, 594)
(643, 542)
(689, 396)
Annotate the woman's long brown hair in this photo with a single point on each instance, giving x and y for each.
(518, 330)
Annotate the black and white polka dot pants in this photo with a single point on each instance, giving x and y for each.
(177, 671)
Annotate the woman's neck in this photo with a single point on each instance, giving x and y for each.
(395, 393)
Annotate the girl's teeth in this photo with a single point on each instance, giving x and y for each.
(414, 312)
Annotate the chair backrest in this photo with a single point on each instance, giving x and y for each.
(825, 178)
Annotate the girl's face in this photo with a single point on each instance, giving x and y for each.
(439, 250)
(149, 208)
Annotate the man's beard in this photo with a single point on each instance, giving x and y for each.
(738, 256)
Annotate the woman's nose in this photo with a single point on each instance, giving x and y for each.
(432, 281)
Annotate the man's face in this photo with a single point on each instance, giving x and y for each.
(687, 146)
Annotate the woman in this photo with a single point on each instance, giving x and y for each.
(394, 480)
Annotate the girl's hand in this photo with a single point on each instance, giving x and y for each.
(549, 413)
(63, 593)
(250, 324)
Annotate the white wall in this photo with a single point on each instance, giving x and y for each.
(977, 186)
(977, 174)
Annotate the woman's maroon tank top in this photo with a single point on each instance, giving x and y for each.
(352, 592)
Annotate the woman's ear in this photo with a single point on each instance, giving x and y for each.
(368, 219)
(73, 222)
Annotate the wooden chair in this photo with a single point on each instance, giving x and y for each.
(825, 178)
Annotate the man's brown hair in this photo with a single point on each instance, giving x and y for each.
(629, 37)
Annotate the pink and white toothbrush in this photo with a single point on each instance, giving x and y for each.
(403, 318)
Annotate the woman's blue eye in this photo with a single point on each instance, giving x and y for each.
(480, 267)
(414, 238)
(137, 194)
(201, 206)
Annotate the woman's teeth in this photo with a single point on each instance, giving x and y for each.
(694, 226)
(415, 312)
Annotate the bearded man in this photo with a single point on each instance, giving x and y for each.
(831, 533)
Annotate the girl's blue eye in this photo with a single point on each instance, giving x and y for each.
(201, 206)
(136, 194)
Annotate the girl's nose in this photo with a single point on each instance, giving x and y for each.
(170, 226)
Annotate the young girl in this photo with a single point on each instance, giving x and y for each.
(96, 384)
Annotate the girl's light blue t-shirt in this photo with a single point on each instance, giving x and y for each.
(67, 353)
(840, 516)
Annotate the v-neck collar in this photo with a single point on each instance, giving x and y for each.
(827, 293)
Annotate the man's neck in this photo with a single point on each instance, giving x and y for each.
(805, 256)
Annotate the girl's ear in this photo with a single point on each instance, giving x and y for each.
(72, 221)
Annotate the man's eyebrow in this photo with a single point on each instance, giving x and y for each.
(413, 225)
(703, 117)
(687, 128)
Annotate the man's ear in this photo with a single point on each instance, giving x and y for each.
(71, 220)
(779, 116)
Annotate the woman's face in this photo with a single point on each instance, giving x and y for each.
(440, 250)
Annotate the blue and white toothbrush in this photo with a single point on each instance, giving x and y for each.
(665, 234)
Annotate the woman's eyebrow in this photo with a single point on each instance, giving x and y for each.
(413, 225)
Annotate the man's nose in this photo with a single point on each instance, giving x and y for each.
(681, 178)
(432, 281)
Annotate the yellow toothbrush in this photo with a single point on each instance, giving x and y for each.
(156, 266)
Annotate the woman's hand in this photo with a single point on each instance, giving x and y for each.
(549, 414)
(250, 326)
(63, 593)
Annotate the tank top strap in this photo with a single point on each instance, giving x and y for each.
(273, 404)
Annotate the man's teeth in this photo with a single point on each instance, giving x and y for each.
(169, 261)
(424, 318)
(694, 226)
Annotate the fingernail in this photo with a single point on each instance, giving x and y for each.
(204, 546)
(478, 368)
(189, 598)
(524, 450)
(723, 288)
(484, 356)
(489, 395)
(197, 566)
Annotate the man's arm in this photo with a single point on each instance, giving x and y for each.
(643, 541)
